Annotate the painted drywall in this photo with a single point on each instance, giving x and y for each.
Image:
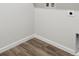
(55, 24)
(16, 22)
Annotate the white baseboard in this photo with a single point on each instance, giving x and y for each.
(14, 44)
(77, 54)
(55, 44)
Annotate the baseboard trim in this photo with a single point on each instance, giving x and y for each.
(14, 44)
(77, 54)
(55, 44)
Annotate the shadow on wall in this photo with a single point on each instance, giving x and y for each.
(67, 6)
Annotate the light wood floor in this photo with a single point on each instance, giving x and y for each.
(35, 47)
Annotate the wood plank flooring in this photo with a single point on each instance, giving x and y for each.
(35, 47)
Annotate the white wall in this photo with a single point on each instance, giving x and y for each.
(56, 25)
(16, 22)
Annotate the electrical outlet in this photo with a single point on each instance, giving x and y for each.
(71, 13)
